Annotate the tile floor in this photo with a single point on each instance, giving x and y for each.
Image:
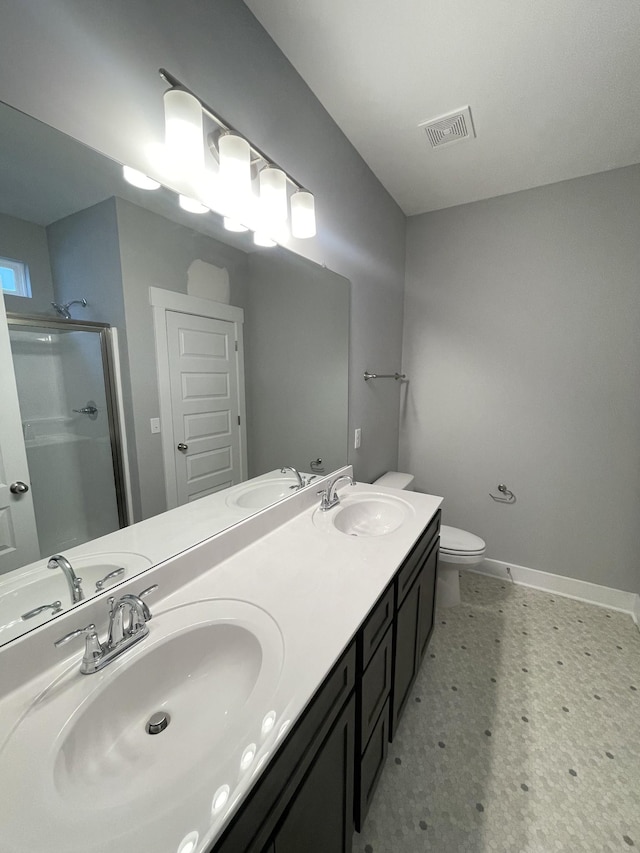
(522, 734)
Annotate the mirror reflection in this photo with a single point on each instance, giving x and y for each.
(149, 360)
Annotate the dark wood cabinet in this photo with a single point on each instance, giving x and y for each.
(296, 768)
(416, 582)
(320, 816)
(406, 634)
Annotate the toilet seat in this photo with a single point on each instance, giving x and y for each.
(460, 543)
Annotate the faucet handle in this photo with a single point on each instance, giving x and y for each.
(79, 632)
(148, 590)
(93, 650)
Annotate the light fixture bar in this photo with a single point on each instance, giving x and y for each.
(225, 126)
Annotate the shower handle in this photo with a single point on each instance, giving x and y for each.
(18, 488)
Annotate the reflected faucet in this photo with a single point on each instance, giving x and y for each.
(330, 496)
(74, 582)
(301, 481)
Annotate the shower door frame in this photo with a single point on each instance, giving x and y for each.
(108, 370)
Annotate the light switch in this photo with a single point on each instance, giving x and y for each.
(357, 438)
(155, 425)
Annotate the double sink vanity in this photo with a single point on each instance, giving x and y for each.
(253, 682)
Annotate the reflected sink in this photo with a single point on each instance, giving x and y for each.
(212, 667)
(365, 514)
(31, 587)
(261, 494)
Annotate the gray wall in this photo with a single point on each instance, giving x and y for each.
(107, 93)
(24, 241)
(522, 347)
(296, 362)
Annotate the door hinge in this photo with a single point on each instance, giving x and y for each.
(238, 420)
(236, 343)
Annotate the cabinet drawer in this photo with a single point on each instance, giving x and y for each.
(371, 766)
(413, 563)
(376, 625)
(376, 686)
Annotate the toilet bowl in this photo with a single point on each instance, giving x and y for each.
(458, 548)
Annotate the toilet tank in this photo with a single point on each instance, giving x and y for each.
(396, 480)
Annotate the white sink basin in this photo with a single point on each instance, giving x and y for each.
(82, 749)
(27, 588)
(365, 514)
(261, 494)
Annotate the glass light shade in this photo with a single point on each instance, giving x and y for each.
(192, 205)
(139, 179)
(303, 214)
(184, 129)
(273, 195)
(263, 240)
(233, 225)
(235, 167)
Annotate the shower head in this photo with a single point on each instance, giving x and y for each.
(63, 310)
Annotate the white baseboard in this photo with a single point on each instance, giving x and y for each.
(603, 596)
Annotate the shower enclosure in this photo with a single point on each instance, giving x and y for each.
(65, 381)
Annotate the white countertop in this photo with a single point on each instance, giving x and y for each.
(317, 585)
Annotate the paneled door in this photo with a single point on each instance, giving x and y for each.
(205, 404)
(18, 536)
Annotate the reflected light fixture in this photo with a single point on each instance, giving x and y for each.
(139, 179)
(192, 205)
(263, 240)
(240, 162)
(234, 225)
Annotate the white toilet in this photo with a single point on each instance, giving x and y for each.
(458, 548)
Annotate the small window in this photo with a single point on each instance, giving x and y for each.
(14, 278)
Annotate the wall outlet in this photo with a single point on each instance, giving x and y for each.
(357, 440)
(155, 425)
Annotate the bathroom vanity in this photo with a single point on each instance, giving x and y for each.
(281, 652)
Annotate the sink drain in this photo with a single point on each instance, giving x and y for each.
(157, 723)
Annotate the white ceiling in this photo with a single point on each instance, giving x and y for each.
(553, 85)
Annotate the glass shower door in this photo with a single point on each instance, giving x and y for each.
(63, 379)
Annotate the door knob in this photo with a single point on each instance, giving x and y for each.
(18, 488)
(182, 446)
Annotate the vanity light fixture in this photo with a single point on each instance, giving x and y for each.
(183, 129)
(303, 214)
(239, 163)
(139, 179)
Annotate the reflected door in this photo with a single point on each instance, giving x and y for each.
(18, 537)
(205, 404)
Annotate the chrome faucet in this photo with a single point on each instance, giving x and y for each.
(128, 617)
(74, 582)
(330, 495)
(301, 481)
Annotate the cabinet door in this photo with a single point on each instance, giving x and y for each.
(427, 597)
(320, 817)
(405, 653)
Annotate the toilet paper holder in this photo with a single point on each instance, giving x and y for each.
(506, 496)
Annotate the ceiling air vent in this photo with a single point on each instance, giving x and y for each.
(453, 127)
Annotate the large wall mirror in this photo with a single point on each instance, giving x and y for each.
(159, 313)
